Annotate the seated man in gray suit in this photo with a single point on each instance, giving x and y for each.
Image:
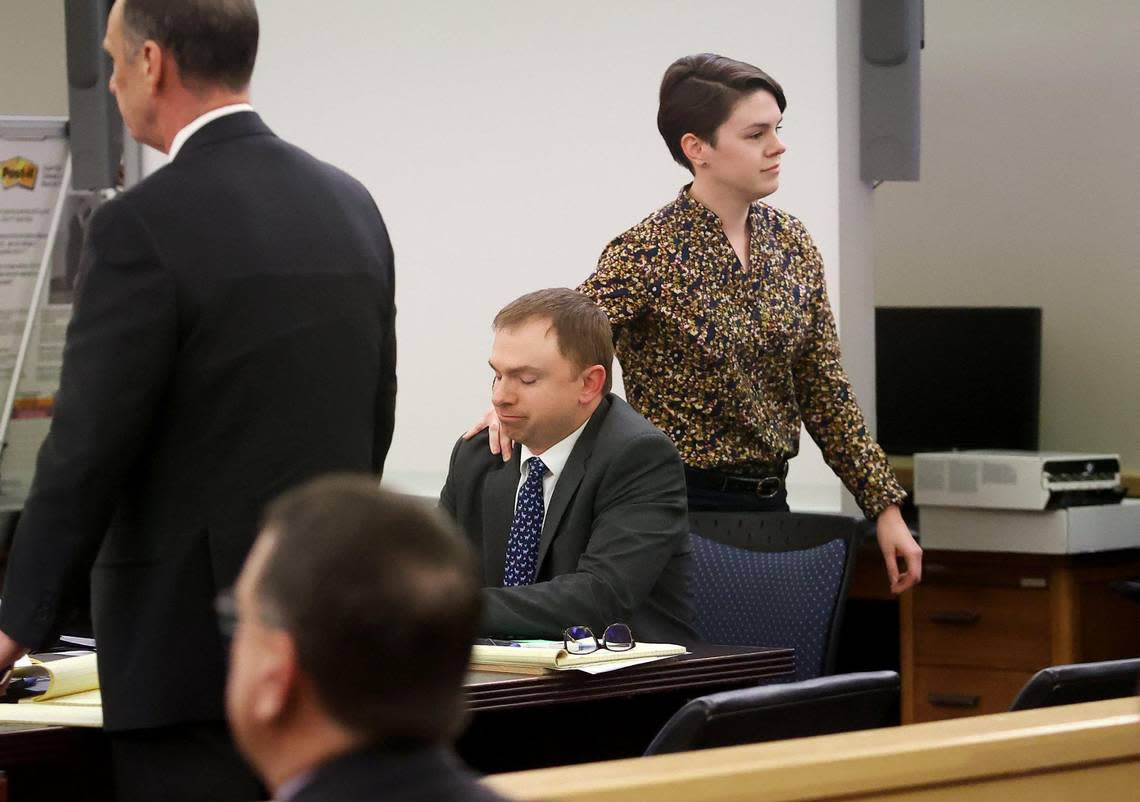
(589, 526)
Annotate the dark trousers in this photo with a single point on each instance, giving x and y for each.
(706, 500)
(182, 763)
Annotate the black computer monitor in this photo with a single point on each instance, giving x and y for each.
(957, 377)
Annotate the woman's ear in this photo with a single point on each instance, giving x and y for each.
(695, 150)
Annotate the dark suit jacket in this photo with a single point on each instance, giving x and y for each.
(366, 776)
(615, 540)
(233, 335)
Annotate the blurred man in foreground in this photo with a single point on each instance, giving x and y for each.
(353, 621)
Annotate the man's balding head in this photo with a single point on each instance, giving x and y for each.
(213, 42)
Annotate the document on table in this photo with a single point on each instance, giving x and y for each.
(66, 692)
(529, 656)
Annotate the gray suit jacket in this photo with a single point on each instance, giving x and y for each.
(615, 540)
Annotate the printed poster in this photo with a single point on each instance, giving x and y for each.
(31, 177)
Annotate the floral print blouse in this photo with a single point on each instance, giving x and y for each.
(729, 361)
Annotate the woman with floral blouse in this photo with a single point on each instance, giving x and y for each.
(721, 319)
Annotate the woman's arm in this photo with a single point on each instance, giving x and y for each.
(835, 421)
(618, 283)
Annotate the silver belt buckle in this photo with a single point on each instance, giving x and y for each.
(768, 487)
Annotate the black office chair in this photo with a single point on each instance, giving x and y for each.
(1079, 682)
(774, 579)
(820, 706)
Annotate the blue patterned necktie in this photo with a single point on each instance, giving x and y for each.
(522, 545)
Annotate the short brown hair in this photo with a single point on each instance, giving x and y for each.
(698, 94)
(212, 41)
(380, 595)
(581, 326)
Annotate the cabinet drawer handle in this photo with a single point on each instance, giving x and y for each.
(961, 618)
(1128, 588)
(953, 700)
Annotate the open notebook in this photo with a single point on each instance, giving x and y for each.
(536, 657)
(65, 690)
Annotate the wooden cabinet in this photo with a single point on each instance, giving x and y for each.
(956, 624)
(981, 624)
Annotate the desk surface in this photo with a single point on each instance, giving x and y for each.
(507, 707)
(570, 717)
(22, 744)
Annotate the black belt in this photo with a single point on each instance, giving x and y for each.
(762, 486)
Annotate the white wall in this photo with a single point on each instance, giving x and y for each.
(33, 71)
(506, 142)
(1030, 195)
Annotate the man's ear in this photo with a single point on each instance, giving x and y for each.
(593, 384)
(158, 65)
(278, 678)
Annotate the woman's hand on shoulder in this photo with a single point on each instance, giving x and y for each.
(497, 439)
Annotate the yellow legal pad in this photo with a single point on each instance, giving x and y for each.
(72, 698)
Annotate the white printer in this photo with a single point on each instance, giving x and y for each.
(1016, 480)
(1023, 501)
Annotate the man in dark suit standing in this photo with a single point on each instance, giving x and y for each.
(354, 617)
(233, 335)
(590, 526)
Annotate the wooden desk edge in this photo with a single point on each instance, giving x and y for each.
(851, 765)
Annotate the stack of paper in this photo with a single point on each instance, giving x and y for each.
(67, 692)
(540, 656)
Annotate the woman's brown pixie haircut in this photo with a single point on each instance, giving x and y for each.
(698, 94)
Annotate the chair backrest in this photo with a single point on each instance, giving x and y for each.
(1079, 682)
(820, 706)
(774, 579)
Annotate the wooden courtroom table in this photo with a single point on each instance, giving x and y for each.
(45, 764)
(570, 717)
(518, 721)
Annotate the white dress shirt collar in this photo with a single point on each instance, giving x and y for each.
(554, 458)
(197, 123)
(293, 786)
